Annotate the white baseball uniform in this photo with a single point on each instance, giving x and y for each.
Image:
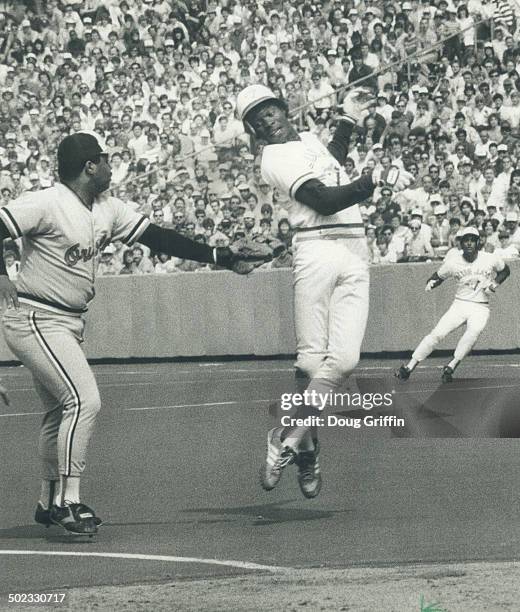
(471, 303)
(61, 238)
(331, 280)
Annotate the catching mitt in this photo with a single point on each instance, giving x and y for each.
(244, 255)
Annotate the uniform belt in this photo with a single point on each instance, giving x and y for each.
(49, 305)
(341, 231)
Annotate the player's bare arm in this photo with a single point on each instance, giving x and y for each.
(8, 291)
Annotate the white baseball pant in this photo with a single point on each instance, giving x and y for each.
(48, 344)
(474, 314)
(331, 295)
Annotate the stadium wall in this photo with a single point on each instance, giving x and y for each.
(220, 313)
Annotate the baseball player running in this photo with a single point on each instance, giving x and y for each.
(478, 274)
(330, 262)
(63, 228)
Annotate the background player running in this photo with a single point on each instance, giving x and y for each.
(478, 275)
(330, 261)
(63, 229)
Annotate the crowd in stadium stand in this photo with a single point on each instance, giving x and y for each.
(158, 80)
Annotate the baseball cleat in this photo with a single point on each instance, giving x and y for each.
(447, 374)
(42, 516)
(403, 373)
(309, 474)
(278, 457)
(77, 519)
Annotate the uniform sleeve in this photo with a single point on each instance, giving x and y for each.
(127, 225)
(499, 264)
(27, 215)
(445, 271)
(285, 167)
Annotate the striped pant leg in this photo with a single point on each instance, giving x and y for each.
(49, 430)
(49, 346)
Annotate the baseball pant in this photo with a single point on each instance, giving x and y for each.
(331, 294)
(475, 315)
(48, 344)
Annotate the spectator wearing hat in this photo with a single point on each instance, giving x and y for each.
(108, 266)
(511, 225)
(416, 247)
(440, 230)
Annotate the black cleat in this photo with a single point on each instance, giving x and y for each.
(77, 519)
(43, 516)
(403, 373)
(447, 374)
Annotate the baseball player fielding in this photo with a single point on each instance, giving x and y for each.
(331, 281)
(63, 229)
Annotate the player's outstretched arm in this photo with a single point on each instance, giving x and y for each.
(240, 260)
(434, 281)
(8, 291)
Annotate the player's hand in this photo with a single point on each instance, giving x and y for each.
(431, 284)
(245, 255)
(491, 288)
(8, 293)
(4, 395)
(356, 102)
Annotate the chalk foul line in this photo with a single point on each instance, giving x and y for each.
(141, 557)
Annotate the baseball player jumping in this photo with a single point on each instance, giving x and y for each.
(478, 275)
(63, 228)
(330, 262)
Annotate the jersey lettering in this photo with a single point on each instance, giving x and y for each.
(75, 253)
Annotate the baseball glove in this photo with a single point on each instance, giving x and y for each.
(244, 255)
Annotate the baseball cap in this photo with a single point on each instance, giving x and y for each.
(77, 149)
(109, 249)
(468, 231)
(481, 151)
(416, 212)
(502, 147)
(511, 216)
(440, 209)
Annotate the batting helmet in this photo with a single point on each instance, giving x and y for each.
(252, 96)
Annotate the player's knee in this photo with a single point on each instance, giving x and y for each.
(434, 338)
(308, 365)
(89, 405)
